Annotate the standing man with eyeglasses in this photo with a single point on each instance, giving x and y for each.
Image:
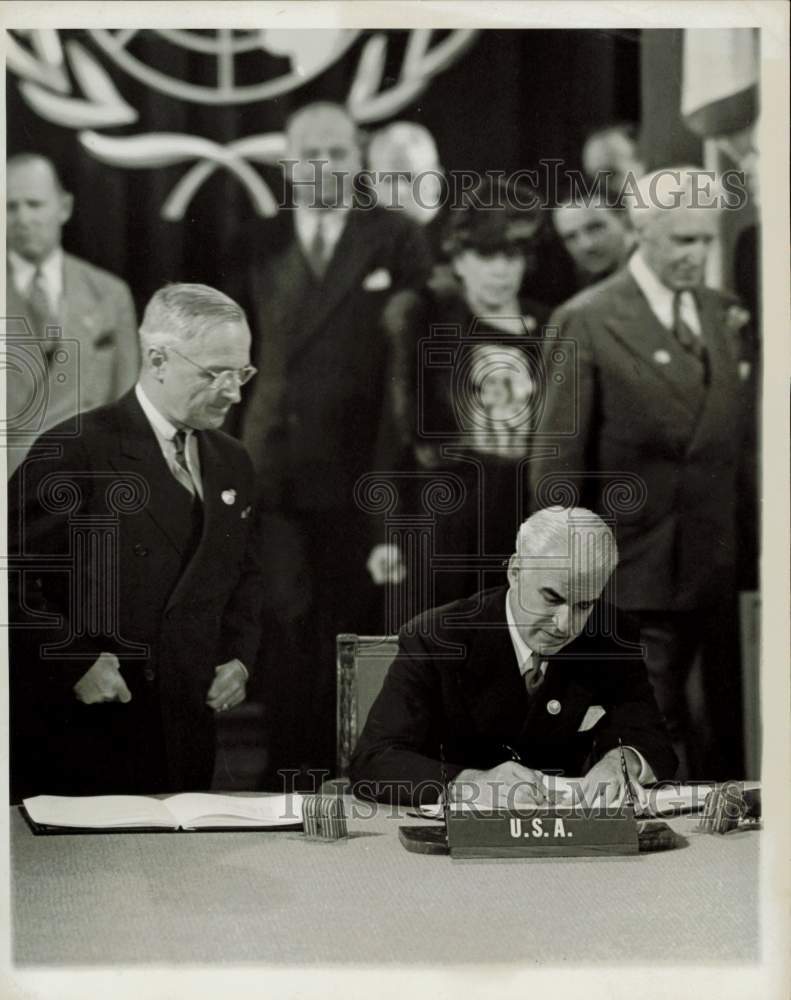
(135, 587)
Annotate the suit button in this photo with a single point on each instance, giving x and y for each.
(149, 673)
(553, 707)
(140, 550)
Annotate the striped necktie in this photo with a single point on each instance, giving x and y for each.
(684, 333)
(38, 301)
(534, 678)
(182, 470)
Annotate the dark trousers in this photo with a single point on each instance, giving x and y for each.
(60, 746)
(694, 666)
(319, 587)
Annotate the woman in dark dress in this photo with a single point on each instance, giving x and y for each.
(465, 383)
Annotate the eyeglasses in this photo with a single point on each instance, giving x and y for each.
(223, 379)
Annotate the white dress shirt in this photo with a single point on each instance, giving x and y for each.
(306, 221)
(23, 272)
(165, 431)
(660, 297)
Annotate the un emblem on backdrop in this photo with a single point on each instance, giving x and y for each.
(66, 82)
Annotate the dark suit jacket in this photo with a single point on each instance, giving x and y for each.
(99, 330)
(430, 394)
(455, 684)
(640, 414)
(311, 419)
(171, 613)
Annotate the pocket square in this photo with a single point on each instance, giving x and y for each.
(592, 716)
(377, 281)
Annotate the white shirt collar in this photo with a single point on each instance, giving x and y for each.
(161, 425)
(22, 271)
(660, 297)
(522, 651)
(306, 221)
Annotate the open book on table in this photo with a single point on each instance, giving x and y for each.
(187, 811)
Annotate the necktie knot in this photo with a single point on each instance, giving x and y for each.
(534, 677)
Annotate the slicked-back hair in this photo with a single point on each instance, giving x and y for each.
(568, 533)
(178, 313)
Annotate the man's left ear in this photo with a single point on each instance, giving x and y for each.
(512, 570)
(66, 207)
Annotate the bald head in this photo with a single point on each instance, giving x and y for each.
(324, 155)
(406, 172)
(37, 207)
(563, 560)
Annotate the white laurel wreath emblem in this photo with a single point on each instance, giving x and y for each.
(46, 87)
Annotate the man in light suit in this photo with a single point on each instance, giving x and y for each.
(71, 326)
(649, 427)
(514, 682)
(312, 419)
(135, 586)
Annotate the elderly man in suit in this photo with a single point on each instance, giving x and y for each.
(312, 419)
(497, 689)
(135, 585)
(74, 346)
(649, 426)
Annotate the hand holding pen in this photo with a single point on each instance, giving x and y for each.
(504, 786)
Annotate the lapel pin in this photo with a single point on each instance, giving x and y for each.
(662, 357)
(553, 707)
(228, 496)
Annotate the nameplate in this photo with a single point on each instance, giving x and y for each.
(541, 832)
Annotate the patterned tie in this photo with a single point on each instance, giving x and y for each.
(534, 678)
(184, 477)
(182, 470)
(317, 252)
(38, 302)
(684, 334)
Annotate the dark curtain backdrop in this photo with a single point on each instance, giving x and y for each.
(513, 98)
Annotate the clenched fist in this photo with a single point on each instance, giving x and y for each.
(103, 682)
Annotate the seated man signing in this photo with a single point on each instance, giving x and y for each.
(510, 684)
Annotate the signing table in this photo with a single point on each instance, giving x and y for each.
(278, 898)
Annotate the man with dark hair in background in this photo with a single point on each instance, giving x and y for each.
(59, 295)
(611, 153)
(598, 238)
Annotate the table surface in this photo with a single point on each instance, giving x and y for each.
(278, 898)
